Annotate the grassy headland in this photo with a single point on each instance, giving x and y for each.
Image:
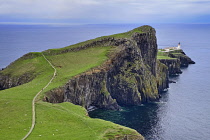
(53, 121)
(166, 55)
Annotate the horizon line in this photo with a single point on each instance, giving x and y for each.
(69, 24)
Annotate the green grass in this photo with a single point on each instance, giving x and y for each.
(15, 103)
(142, 29)
(60, 50)
(68, 121)
(54, 121)
(163, 55)
(74, 63)
(25, 64)
(177, 53)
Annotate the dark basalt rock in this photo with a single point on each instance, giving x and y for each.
(172, 81)
(162, 77)
(11, 79)
(89, 90)
(183, 58)
(180, 59)
(131, 76)
(173, 66)
(7, 81)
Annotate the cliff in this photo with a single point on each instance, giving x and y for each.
(162, 76)
(173, 66)
(131, 74)
(19, 72)
(180, 55)
(175, 60)
(7, 81)
(106, 72)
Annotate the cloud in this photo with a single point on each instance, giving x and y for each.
(45, 8)
(105, 11)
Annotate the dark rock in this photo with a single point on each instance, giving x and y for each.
(192, 62)
(11, 79)
(7, 81)
(89, 90)
(183, 58)
(172, 81)
(129, 77)
(162, 77)
(180, 59)
(173, 65)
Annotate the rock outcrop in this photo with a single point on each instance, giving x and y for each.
(13, 76)
(184, 59)
(8, 81)
(131, 76)
(177, 60)
(162, 76)
(173, 66)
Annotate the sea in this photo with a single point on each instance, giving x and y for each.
(183, 112)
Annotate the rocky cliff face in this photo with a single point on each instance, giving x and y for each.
(8, 81)
(162, 76)
(173, 66)
(184, 59)
(179, 60)
(13, 76)
(131, 76)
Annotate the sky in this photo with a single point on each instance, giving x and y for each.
(104, 11)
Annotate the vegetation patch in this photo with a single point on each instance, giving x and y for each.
(163, 55)
(53, 121)
(57, 121)
(140, 30)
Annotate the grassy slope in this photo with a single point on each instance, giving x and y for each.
(68, 121)
(15, 103)
(65, 120)
(163, 55)
(74, 63)
(142, 29)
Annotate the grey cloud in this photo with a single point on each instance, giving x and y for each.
(106, 10)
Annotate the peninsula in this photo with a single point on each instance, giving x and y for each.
(106, 72)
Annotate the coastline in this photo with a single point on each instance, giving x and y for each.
(34, 55)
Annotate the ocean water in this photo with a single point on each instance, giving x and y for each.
(182, 113)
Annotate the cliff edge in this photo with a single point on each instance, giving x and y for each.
(174, 59)
(132, 73)
(130, 76)
(106, 72)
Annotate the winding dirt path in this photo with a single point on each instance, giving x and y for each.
(34, 99)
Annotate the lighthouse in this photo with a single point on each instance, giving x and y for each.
(179, 46)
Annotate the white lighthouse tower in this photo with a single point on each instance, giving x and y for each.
(179, 46)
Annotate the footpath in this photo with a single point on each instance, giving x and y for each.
(34, 99)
